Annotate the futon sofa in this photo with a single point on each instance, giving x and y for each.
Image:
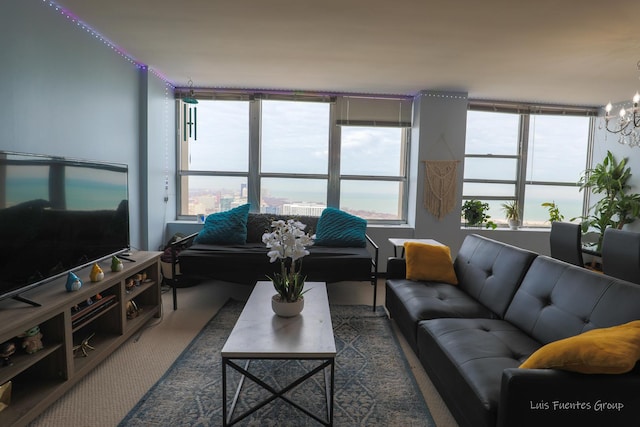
(511, 306)
(246, 262)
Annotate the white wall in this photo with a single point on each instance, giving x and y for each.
(64, 92)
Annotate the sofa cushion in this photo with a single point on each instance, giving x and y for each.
(409, 302)
(225, 228)
(613, 350)
(340, 229)
(465, 359)
(491, 271)
(429, 262)
(558, 300)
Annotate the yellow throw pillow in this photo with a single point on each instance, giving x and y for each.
(613, 350)
(429, 262)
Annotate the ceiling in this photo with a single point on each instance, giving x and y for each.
(580, 53)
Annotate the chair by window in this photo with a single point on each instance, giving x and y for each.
(565, 242)
(621, 254)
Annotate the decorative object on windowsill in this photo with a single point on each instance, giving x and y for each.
(116, 264)
(287, 243)
(626, 121)
(96, 273)
(6, 351)
(32, 340)
(475, 214)
(616, 207)
(554, 211)
(73, 282)
(84, 346)
(512, 213)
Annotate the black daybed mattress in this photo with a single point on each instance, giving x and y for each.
(249, 263)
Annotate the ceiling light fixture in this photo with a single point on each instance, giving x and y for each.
(628, 135)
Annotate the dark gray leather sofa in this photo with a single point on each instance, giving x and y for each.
(471, 338)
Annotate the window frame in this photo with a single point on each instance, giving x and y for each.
(254, 174)
(525, 112)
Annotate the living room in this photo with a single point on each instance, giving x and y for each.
(70, 93)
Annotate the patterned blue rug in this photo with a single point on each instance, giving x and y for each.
(373, 383)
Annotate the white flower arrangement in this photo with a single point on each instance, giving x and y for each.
(288, 243)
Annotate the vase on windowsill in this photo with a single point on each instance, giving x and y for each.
(287, 243)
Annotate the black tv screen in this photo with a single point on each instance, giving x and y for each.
(58, 215)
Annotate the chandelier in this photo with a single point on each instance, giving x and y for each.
(626, 122)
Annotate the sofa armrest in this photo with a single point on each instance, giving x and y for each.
(396, 268)
(538, 397)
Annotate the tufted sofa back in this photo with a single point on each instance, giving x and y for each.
(491, 271)
(557, 300)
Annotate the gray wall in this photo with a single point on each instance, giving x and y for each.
(64, 92)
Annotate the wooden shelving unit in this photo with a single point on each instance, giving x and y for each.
(39, 379)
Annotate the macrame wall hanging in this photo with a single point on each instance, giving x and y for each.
(440, 186)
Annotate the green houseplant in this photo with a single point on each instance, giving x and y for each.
(617, 207)
(475, 214)
(512, 213)
(554, 211)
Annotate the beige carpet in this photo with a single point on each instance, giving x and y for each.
(106, 395)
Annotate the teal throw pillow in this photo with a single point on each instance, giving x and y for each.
(340, 229)
(225, 228)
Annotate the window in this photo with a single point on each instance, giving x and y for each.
(291, 157)
(527, 157)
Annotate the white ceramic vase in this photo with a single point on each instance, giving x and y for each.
(286, 309)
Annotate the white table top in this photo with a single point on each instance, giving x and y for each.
(259, 333)
(400, 242)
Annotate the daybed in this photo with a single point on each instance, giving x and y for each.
(497, 345)
(344, 251)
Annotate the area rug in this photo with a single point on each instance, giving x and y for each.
(373, 382)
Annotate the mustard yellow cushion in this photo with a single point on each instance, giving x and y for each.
(613, 350)
(429, 262)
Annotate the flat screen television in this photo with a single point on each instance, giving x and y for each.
(58, 215)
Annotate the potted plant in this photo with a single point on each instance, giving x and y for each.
(512, 213)
(616, 207)
(554, 211)
(475, 214)
(287, 243)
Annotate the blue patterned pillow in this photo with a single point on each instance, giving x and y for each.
(340, 229)
(225, 228)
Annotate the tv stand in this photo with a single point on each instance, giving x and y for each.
(70, 323)
(26, 301)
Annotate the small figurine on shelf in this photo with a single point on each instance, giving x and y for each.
(6, 351)
(116, 264)
(31, 340)
(73, 282)
(96, 274)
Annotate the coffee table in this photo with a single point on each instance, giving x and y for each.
(260, 334)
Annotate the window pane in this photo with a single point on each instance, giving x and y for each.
(372, 199)
(223, 137)
(477, 189)
(492, 133)
(295, 137)
(557, 148)
(371, 151)
(568, 200)
(487, 168)
(291, 196)
(211, 194)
